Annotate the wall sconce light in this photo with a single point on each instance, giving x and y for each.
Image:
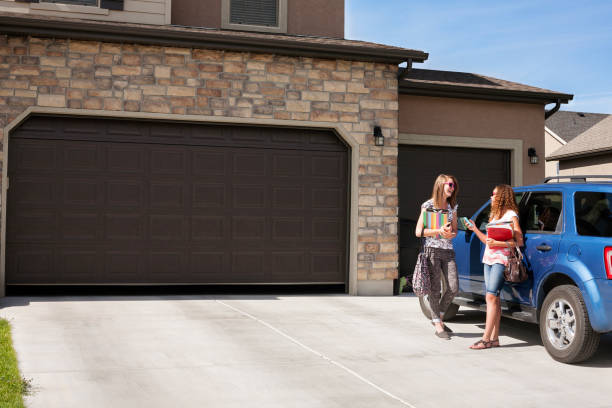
(379, 139)
(533, 157)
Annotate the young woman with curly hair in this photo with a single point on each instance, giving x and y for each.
(504, 214)
(439, 249)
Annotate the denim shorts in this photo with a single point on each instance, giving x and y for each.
(494, 278)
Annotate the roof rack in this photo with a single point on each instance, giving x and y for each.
(576, 178)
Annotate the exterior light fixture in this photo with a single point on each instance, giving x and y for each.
(533, 157)
(379, 139)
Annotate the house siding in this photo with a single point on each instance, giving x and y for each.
(233, 86)
(155, 12)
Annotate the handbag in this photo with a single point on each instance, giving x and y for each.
(421, 278)
(515, 271)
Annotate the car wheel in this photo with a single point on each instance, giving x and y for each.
(450, 313)
(565, 327)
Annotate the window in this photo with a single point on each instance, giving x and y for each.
(593, 215)
(255, 15)
(482, 219)
(542, 213)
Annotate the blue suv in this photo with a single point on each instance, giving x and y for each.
(567, 228)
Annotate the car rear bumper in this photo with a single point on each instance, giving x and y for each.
(598, 300)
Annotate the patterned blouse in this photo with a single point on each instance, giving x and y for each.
(442, 243)
(499, 255)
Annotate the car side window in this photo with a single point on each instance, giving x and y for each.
(542, 213)
(593, 215)
(482, 219)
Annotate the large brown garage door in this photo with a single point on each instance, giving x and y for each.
(102, 201)
(477, 170)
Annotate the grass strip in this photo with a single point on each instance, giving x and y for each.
(12, 385)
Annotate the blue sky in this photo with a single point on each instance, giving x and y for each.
(565, 46)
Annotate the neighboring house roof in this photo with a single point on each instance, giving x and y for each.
(178, 36)
(567, 125)
(467, 85)
(595, 140)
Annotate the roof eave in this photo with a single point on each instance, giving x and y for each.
(170, 36)
(577, 155)
(470, 92)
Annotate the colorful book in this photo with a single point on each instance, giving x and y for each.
(435, 219)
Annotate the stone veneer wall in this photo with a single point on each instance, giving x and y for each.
(139, 78)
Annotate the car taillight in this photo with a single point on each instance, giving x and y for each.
(608, 261)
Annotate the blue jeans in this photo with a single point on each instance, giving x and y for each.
(494, 278)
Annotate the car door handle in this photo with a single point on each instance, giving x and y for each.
(544, 247)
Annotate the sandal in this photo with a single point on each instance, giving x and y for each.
(443, 335)
(446, 328)
(494, 343)
(481, 345)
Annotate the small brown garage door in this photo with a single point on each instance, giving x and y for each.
(478, 171)
(102, 201)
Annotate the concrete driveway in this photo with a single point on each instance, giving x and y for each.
(283, 351)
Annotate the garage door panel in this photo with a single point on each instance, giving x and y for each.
(121, 201)
(248, 228)
(289, 166)
(35, 191)
(326, 198)
(288, 197)
(126, 193)
(86, 157)
(288, 228)
(163, 265)
(124, 227)
(208, 228)
(33, 155)
(249, 196)
(249, 266)
(249, 164)
(324, 264)
(327, 167)
(80, 192)
(168, 161)
(289, 261)
(80, 226)
(34, 225)
(124, 266)
(79, 265)
(209, 266)
(169, 195)
(167, 227)
(209, 195)
(125, 159)
(327, 229)
(211, 162)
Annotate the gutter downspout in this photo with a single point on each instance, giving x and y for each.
(552, 111)
(405, 71)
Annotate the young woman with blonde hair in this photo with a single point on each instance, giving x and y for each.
(439, 249)
(504, 214)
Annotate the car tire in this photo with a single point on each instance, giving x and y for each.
(450, 313)
(565, 327)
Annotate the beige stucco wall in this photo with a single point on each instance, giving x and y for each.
(479, 119)
(135, 11)
(89, 77)
(591, 165)
(324, 18)
(551, 144)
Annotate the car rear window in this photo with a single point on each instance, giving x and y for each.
(593, 215)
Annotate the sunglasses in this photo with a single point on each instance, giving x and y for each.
(450, 184)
